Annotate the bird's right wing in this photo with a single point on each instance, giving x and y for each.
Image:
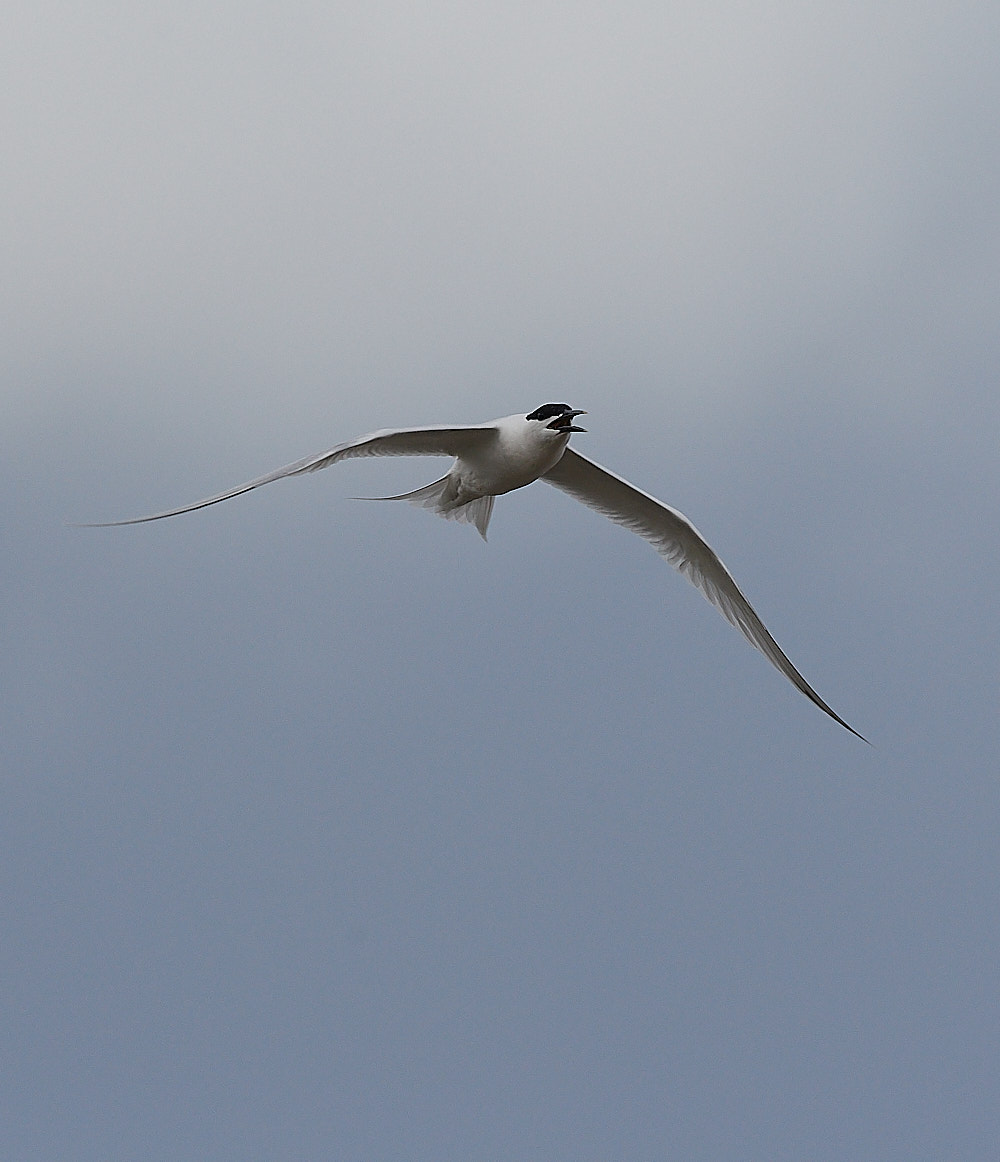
(430, 441)
(675, 538)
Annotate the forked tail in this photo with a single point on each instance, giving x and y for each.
(442, 497)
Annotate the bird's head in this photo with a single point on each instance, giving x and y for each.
(556, 417)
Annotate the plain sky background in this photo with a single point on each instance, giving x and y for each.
(329, 831)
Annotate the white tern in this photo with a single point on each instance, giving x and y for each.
(508, 453)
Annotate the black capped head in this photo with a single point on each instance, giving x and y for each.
(557, 416)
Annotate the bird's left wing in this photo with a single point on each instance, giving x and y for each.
(430, 441)
(675, 538)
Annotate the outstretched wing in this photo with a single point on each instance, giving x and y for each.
(675, 538)
(431, 441)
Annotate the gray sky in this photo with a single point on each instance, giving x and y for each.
(330, 831)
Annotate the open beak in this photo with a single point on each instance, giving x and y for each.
(564, 423)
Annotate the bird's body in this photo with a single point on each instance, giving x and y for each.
(509, 453)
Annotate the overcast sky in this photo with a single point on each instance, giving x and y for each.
(330, 831)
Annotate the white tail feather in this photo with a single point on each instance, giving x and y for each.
(441, 497)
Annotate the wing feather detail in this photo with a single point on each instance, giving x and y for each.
(676, 539)
(428, 441)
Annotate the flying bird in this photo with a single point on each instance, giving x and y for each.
(498, 457)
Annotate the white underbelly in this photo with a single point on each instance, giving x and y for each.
(503, 468)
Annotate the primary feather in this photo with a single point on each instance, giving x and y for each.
(676, 539)
(429, 441)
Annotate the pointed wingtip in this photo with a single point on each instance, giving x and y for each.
(813, 697)
(846, 725)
